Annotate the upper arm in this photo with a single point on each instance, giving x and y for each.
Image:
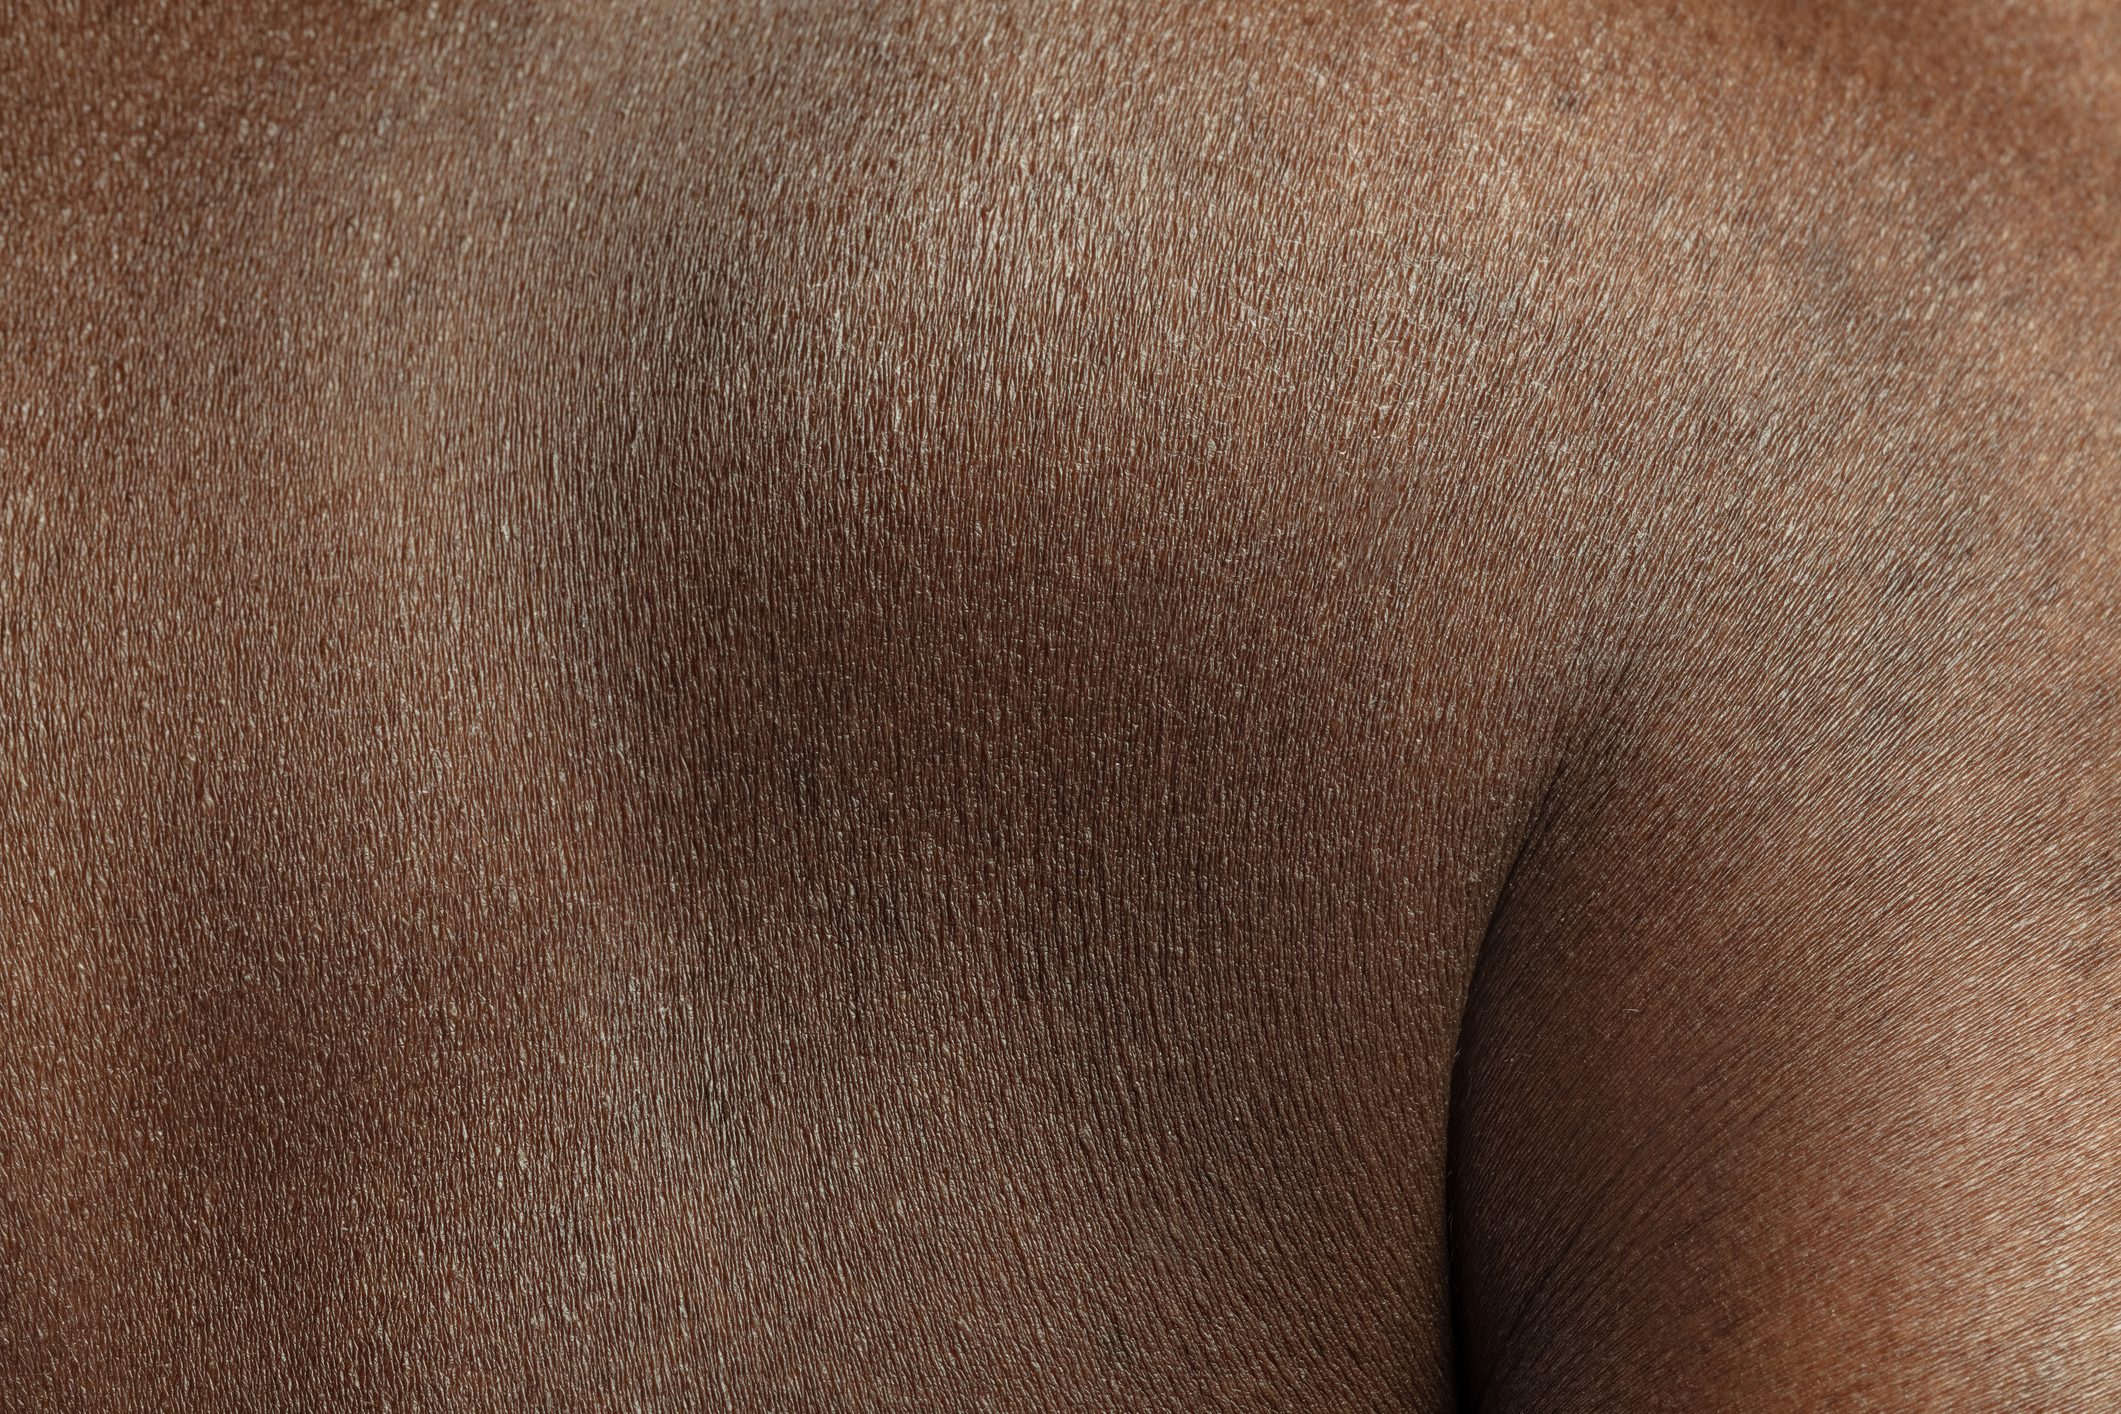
(1789, 1072)
(1792, 1067)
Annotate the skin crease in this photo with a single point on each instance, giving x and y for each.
(1072, 707)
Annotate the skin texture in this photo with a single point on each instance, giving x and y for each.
(936, 707)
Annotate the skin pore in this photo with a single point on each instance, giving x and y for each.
(810, 707)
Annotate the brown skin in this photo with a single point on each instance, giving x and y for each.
(1263, 707)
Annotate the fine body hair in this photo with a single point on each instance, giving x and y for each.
(1104, 706)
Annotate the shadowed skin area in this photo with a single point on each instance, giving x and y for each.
(1258, 707)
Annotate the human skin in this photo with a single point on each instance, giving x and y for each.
(1100, 707)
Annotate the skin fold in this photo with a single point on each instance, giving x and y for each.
(792, 707)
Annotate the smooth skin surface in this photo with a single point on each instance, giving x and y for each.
(1075, 706)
